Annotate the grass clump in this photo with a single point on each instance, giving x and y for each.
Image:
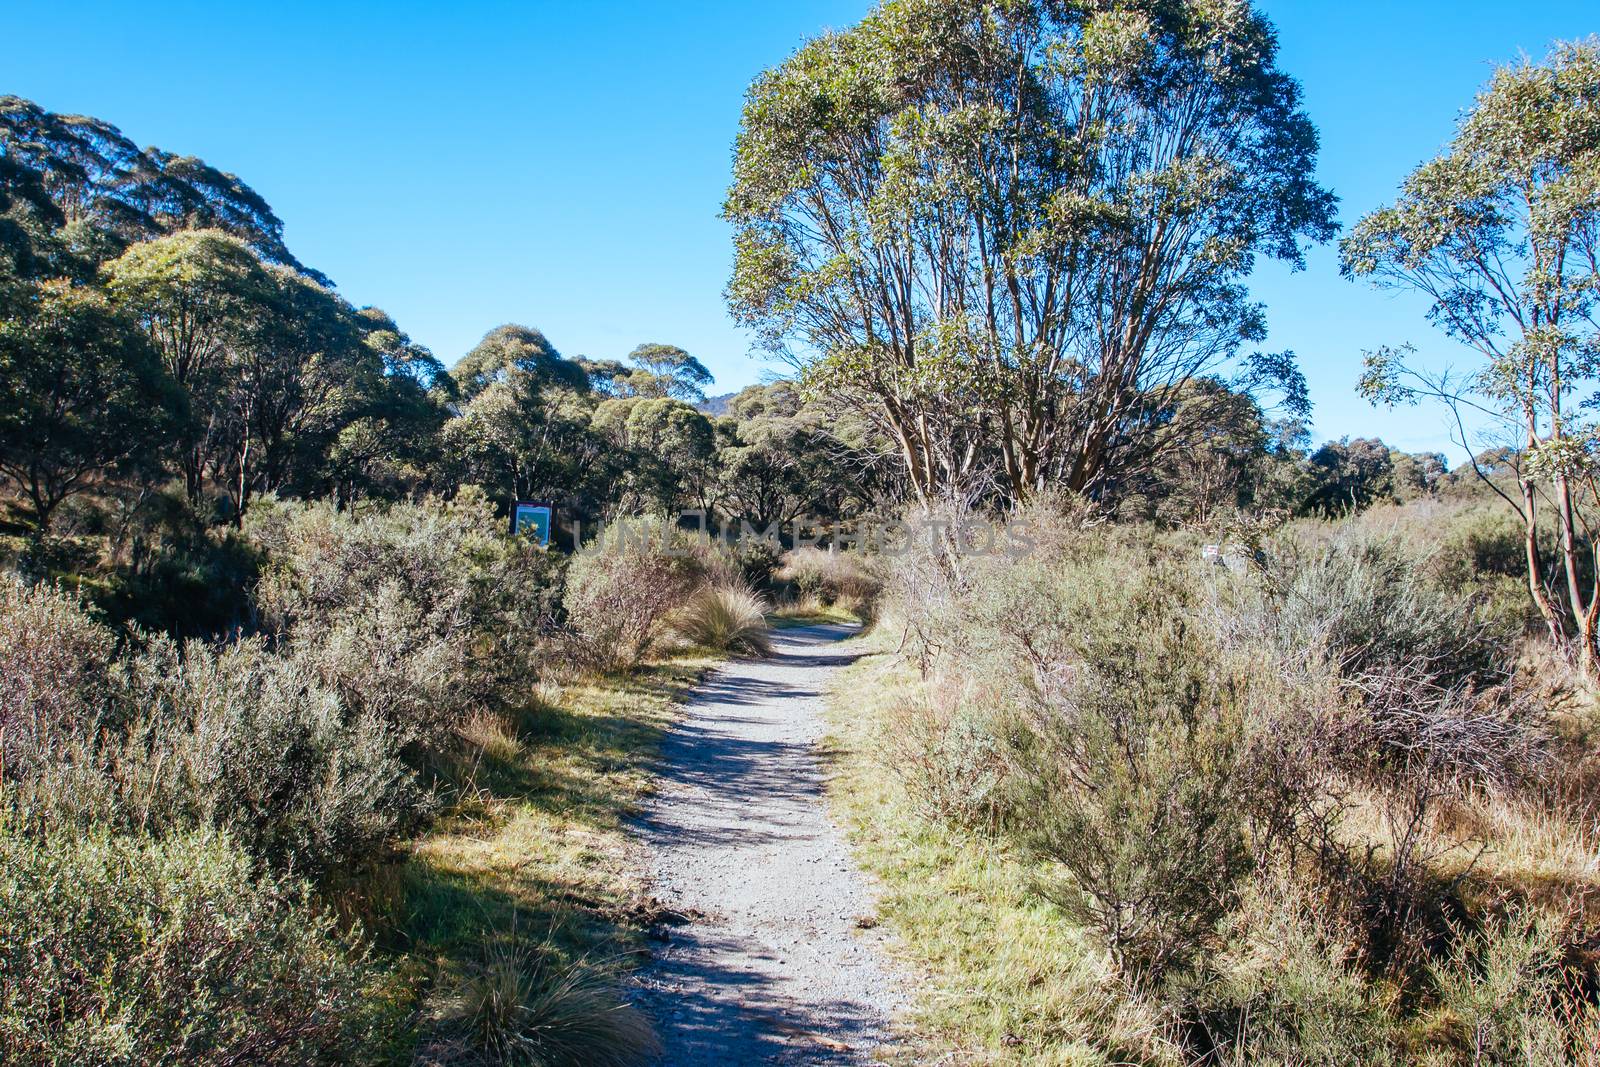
(518, 1007)
(727, 618)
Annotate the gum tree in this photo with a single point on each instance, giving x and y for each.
(197, 295)
(1012, 231)
(1500, 233)
(82, 393)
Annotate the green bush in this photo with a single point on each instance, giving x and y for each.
(951, 756)
(1286, 988)
(1364, 602)
(1128, 745)
(54, 674)
(172, 739)
(128, 951)
(1506, 997)
(622, 586)
(415, 614)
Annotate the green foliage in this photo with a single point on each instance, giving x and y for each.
(1066, 147)
(1348, 476)
(1367, 604)
(1129, 771)
(665, 371)
(1498, 232)
(1507, 997)
(172, 739)
(120, 193)
(82, 394)
(509, 351)
(414, 614)
(668, 448)
(127, 951)
(1285, 988)
(55, 674)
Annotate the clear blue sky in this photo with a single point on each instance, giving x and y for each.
(562, 164)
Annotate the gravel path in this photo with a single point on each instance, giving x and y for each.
(762, 959)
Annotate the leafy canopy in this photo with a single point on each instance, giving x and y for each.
(1022, 222)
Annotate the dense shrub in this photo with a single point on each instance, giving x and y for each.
(950, 754)
(413, 615)
(1508, 997)
(1124, 731)
(832, 577)
(1365, 603)
(128, 951)
(622, 586)
(1286, 987)
(175, 738)
(54, 673)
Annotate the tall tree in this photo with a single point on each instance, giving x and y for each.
(198, 294)
(667, 371)
(509, 349)
(388, 448)
(81, 393)
(1022, 223)
(1502, 233)
(298, 373)
(670, 449)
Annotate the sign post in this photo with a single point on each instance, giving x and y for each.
(533, 518)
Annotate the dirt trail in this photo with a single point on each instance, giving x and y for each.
(770, 965)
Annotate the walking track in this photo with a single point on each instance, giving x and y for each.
(766, 959)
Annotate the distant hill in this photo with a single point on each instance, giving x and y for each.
(716, 406)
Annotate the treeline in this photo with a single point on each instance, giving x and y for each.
(165, 362)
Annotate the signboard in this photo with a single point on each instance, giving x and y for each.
(532, 518)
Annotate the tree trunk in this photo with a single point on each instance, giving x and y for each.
(1530, 546)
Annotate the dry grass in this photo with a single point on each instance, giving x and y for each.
(516, 1008)
(726, 618)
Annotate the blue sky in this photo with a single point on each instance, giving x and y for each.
(562, 165)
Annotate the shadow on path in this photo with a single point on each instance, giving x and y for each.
(770, 967)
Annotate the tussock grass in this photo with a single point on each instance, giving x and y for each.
(517, 1008)
(727, 618)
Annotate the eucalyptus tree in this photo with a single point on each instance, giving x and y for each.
(521, 427)
(780, 459)
(82, 394)
(667, 371)
(1501, 232)
(1012, 230)
(511, 349)
(670, 451)
(299, 373)
(198, 294)
(112, 193)
(391, 445)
